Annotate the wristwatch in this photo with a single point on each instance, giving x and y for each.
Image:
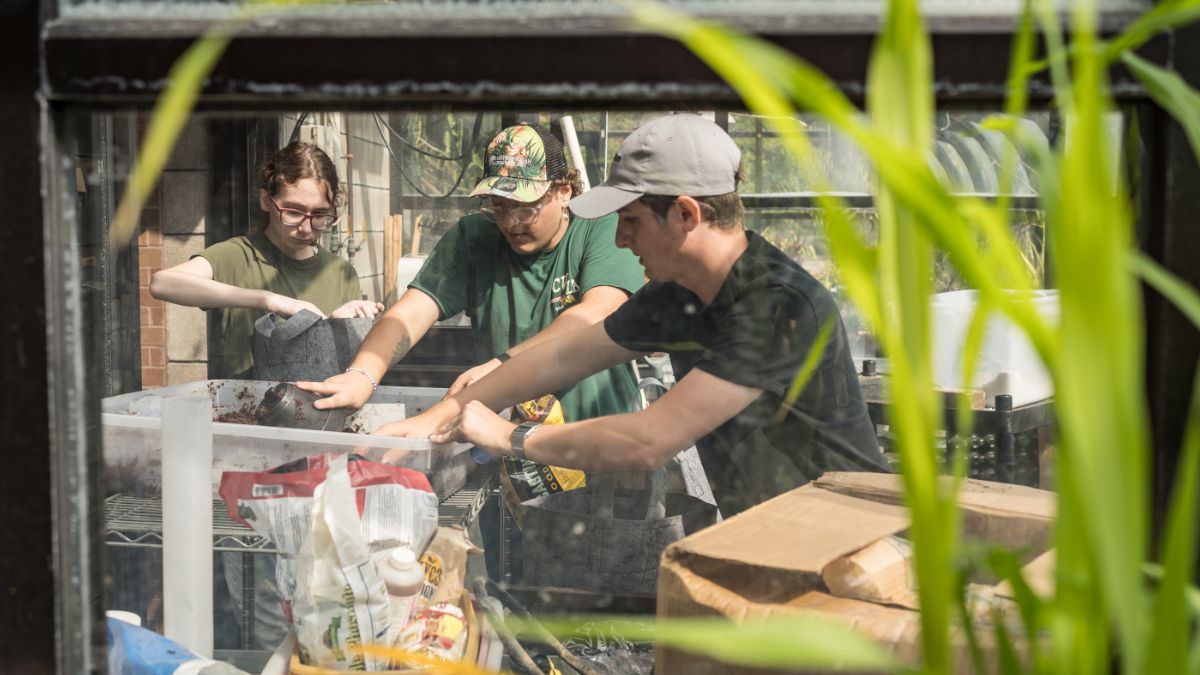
(520, 436)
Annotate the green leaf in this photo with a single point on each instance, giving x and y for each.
(1165, 16)
(174, 106)
(1183, 296)
(1169, 635)
(1031, 607)
(807, 368)
(170, 114)
(1172, 93)
(1103, 464)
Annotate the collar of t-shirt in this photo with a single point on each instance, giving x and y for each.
(738, 273)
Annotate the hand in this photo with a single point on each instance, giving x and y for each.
(471, 376)
(420, 426)
(285, 306)
(480, 427)
(346, 390)
(364, 309)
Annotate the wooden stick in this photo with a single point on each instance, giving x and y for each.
(520, 657)
(389, 255)
(546, 636)
(416, 240)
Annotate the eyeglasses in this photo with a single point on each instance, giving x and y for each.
(294, 217)
(522, 215)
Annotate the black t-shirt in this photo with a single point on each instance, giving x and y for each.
(757, 332)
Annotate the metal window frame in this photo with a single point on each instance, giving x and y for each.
(64, 65)
(416, 63)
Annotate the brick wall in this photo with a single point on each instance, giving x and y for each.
(153, 319)
(174, 338)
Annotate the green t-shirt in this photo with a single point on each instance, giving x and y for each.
(470, 268)
(254, 262)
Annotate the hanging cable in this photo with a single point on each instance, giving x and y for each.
(413, 146)
(466, 157)
(296, 129)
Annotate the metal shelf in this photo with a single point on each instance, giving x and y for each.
(462, 507)
(136, 520)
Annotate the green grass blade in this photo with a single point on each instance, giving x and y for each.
(900, 107)
(175, 105)
(1171, 92)
(1184, 297)
(1030, 606)
(1169, 635)
(1006, 653)
(170, 114)
(1103, 457)
(782, 642)
(807, 368)
(1164, 16)
(1193, 664)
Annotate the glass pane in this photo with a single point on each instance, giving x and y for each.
(406, 227)
(544, 9)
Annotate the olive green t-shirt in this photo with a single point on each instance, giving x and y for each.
(512, 297)
(254, 262)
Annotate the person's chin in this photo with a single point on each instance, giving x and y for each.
(523, 245)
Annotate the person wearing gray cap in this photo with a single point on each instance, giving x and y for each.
(738, 317)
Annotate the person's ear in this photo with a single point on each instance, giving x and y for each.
(689, 212)
(264, 200)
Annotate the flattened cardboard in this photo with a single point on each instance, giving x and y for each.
(1013, 516)
(767, 561)
(760, 563)
(820, 526)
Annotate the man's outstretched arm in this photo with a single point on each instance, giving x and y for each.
(644, 440)
(596, 304)
(550, 366)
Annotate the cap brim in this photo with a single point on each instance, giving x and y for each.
(601, 201)
(518, 189)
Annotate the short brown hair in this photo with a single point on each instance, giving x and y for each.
(571, 179)
(723, 211)
(295, 162)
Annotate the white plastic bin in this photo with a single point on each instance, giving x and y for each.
(133, 433)
(1007, 363)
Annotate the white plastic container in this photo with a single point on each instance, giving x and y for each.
(404, 577)
(1007, 363)
(132, 431)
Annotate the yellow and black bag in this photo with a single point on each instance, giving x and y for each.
(525, 479)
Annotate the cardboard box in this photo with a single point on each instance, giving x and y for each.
(767, 561)
(1013, 516)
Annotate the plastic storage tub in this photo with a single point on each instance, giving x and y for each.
(1007, 363)
(132, 432)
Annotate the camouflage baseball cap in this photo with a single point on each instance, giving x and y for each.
(520, 163)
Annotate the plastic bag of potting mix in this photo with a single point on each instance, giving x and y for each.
(341, 602)
(397, 506)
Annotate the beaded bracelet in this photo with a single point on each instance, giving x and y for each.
(360, 371)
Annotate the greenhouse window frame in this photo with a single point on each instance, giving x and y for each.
(64, 64)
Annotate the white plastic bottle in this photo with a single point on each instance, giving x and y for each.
(403, 575)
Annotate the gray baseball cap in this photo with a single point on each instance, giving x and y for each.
(682, 154)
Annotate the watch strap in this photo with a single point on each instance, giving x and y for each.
(520, 436)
